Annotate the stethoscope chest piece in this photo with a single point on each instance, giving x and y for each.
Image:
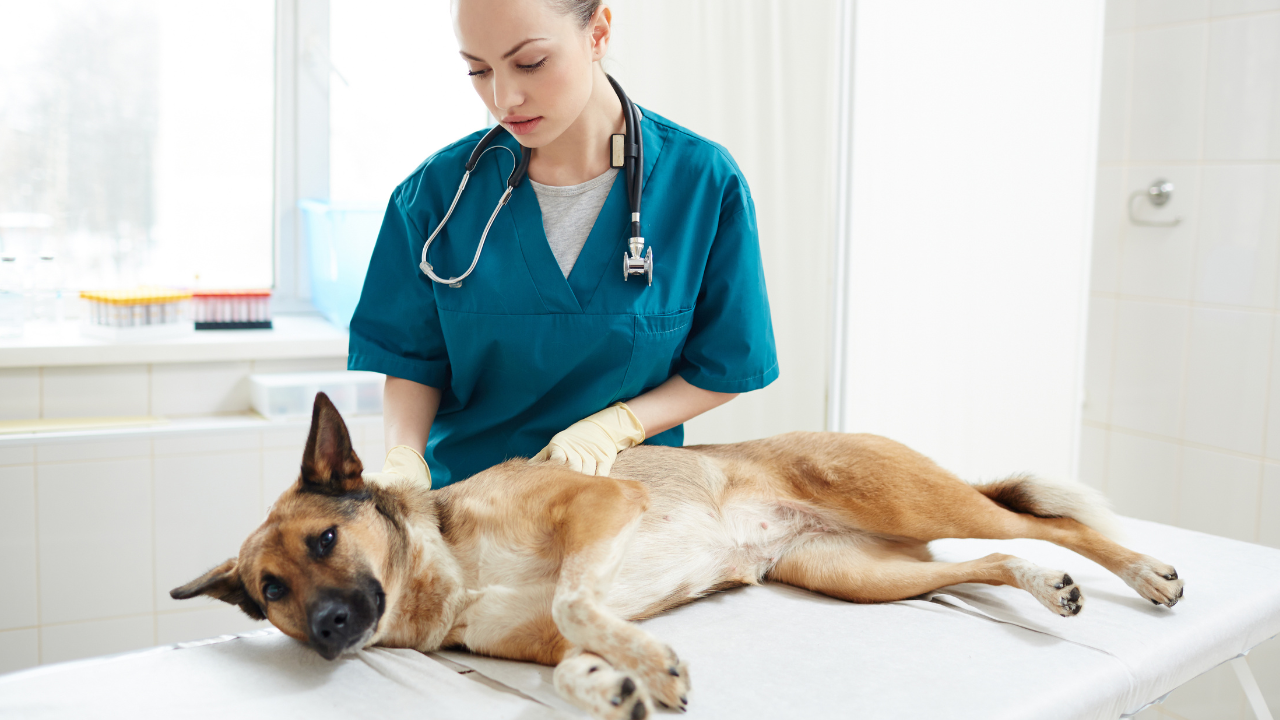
(634, 264)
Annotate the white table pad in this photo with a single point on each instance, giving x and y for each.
(969, 651)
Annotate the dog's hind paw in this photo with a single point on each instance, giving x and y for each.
(1154, 581)
(1053, 588)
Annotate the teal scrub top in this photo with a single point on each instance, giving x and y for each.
(520, 352)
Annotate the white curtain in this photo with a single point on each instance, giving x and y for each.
(757, 76)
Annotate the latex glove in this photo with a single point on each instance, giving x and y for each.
(591, 445)
(403, 464)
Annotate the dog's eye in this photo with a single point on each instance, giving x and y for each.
(273, 590)
(326, 540)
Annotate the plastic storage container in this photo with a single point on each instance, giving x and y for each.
(286, 395)
(340, 242)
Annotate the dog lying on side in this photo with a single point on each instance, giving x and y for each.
(544, 564)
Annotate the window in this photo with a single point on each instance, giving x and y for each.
(136, 140)
(140, 139)
(399, 92)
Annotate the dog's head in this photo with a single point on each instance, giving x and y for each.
(316, 567)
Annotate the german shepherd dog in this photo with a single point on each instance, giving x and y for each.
(537, 562)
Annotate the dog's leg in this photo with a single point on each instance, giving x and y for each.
(865, 570)
(595, 532)
(591, 683)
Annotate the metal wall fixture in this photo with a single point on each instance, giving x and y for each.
(1159, 193)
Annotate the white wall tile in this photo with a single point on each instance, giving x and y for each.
(73, 641)
(1142, 476)
(17, 454)
(1273, 398)
(1159, 262)
(18, 547)
(1239, 234)
(1109, 225)
(1155, 12)
(206, 505)
(1219, 8)
(1146, 392)
(1269, 513)
(1093, 457)
(81, 449)
(1117, 57)
(222, 619)
(200, 388)
(19, 649)
(1242, 112)
(1168, 93)
(95, 539)
(1215, 695)
(96, 391)
(280, 469)
(206, 441)
(1228, 363)
(20, 388)
(1099, 353)
(1218, 494)
(1120, 15)
(1264, 661)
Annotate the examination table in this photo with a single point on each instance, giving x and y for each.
(967, 651)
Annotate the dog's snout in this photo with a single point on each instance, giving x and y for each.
(332, 629)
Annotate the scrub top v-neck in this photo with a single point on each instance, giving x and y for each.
(520, 351)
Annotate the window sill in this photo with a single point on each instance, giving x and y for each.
(294, 336)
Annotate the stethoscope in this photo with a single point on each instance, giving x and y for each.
(626, 151)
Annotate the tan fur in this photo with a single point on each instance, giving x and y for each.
(539, 563)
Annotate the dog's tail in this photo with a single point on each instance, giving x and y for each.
(1051, 499)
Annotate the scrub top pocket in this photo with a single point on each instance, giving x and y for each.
(655, 351)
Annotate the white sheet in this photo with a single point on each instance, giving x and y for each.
(971, 651)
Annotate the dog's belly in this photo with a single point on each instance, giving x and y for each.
(684, 550)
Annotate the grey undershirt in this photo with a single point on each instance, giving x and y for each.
(569, 212)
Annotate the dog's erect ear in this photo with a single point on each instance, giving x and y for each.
(221, 583)
(329, 465)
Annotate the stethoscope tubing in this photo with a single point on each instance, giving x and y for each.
(633, 169)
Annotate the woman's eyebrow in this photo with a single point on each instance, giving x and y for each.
(510, 52)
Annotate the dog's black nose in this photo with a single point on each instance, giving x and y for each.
(332, 629)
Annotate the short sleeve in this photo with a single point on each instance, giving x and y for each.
(396, 327)
(730, 345)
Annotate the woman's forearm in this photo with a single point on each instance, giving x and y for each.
(672, 403)
(408, 409)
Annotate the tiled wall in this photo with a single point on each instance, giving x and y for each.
(1182, 413)
(167, 389)
(94, 532)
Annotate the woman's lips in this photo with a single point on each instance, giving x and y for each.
(524, 126)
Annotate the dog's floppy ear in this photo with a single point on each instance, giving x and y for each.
(221, 583)
(329, 465)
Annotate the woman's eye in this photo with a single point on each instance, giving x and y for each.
(535, 66)
(273, 591)
(477, 73)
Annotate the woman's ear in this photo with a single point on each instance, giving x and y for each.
(601, 31)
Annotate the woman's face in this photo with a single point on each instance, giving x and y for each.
(531, 65)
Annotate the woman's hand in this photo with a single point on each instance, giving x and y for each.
(403, 465)
(590, 445)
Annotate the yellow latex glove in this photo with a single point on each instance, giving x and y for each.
(591, 445)
(403, 464)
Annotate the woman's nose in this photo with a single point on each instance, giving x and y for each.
(506, 93)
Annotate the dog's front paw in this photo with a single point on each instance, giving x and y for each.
(1154, 581)
(666, 677)
(591, 683)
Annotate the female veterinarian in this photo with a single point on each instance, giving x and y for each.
(560, 316)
